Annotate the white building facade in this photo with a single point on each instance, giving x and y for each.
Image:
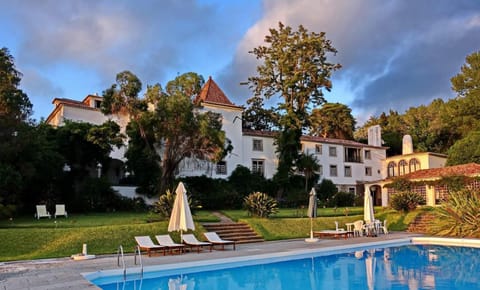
(346, 163)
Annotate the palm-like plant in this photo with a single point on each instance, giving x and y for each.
(308, 164)
(261, 204)
(459, 215)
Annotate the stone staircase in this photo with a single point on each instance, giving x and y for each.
(421, 223)
(239, 232)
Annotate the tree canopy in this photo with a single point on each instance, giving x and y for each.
(295, 68)
(332, 120)
(172, 131)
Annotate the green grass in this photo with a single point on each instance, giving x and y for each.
(26, 238)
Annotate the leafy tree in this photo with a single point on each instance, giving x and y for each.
(256, 117)
(332, 120)
(326, 189)
(15, 107)
(295, 68)
(466, 150)
(175, 129)
(467, 82)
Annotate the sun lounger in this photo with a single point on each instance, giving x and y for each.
(190, 241)
(145, 243)
(60, 210)
(42, 212)
(166, 240)
(330, 233)
(213, 238)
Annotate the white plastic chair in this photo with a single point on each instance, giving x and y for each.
(358, 228)
(337, 228)
(383, 228)
(42, 212)
(60, 210)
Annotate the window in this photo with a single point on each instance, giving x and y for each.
(97, 104)
(353, 155)
(332, 151)
(368, 154)
(257, 145)
(414, 165)
(391, 169)
(348, 171)
(318, 149)
(221, 168)
(351, 190)
(402, 167)
(368, 171)
(333, 170)
(258, 166)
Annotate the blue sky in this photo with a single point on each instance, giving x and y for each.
(395, 54)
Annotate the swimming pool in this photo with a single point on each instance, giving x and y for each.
(399, 265)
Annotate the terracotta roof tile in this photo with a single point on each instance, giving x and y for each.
(211, 93)
(470, 169)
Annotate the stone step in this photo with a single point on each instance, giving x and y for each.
(421, 223)
(239, 232)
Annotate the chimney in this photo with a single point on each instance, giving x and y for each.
(407, 145)
(375, 136)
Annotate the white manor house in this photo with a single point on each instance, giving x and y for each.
(348, 164)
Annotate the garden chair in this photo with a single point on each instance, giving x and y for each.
(42, 212)
(60, 210)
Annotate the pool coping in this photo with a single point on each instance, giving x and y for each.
(222, 263)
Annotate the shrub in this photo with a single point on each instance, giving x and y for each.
(458, 215)
(164, 205)
(341, 199)
(260, 204)
(406, 201)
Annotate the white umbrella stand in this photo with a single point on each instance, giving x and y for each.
(312, 213)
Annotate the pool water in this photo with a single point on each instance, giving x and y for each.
(401, 267)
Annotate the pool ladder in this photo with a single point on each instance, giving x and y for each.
(121, 256)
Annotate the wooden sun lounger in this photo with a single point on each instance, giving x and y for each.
(331, 234)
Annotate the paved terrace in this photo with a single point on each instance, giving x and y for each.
(65, 273)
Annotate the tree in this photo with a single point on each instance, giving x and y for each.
(467, 82)
(466, 150)
(295, 68)
(15, 106)
(256, 117)
(176, 129)
(332, 120)
(308, 165)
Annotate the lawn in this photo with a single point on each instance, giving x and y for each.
(27, 238)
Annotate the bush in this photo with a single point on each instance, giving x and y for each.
(259, 204)
(459, 215)
(164, 205)
(406, 201)
(342, 199)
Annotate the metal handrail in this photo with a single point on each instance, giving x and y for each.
(120, 253)
(137, 250)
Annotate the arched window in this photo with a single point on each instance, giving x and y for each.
(391, 169)
(414, 165)
(402, 167)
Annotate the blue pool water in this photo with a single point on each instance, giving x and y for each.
(400, 267)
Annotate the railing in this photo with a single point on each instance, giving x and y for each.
(137, 251)
(120, 254)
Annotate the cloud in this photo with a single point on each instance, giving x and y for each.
(395, 54)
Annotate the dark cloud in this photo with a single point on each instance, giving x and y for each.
(395, 54)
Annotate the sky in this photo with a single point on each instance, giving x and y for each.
(395, 54)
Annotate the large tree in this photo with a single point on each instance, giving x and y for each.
(176, 129)
(295, 68)
(332, 120)
(466, 150)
